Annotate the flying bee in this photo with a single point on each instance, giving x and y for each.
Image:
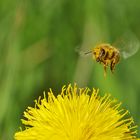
(109, 55)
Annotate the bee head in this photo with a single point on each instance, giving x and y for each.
(98, 53)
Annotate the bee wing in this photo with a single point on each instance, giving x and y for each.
(129, 44)
(83, 53)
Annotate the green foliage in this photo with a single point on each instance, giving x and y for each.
(38, 40)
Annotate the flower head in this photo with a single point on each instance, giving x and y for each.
(76, 114)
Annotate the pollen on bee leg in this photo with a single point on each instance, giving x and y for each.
(104, 70)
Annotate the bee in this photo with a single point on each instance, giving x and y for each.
(109, 56)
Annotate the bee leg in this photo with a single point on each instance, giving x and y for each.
(112, 66)
(105, 70)
(105, 64)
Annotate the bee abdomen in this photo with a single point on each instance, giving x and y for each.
(106, 55)
(112, 55)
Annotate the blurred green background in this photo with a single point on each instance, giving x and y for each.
(38, 43)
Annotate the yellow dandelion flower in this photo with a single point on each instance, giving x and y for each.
(76, 114)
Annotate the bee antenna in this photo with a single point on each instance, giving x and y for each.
(88, 52)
